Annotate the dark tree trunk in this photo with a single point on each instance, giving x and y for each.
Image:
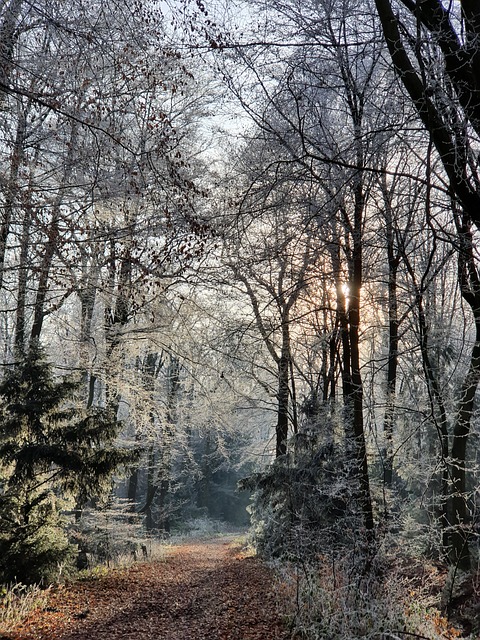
(8, 35)
(458, 513)
(11, 190)
(283, 390)
(354, 328)
(393, 323)
(169, 434)
(132, 488)
(44, 270)
(23, 270)
(52, 244)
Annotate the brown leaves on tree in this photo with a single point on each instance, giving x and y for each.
(201, 591)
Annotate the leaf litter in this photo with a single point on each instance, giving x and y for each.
(207, 590)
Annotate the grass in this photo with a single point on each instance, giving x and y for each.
(17, 601)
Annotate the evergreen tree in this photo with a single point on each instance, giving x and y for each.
(50, 450)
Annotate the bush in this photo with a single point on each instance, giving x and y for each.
(303, 503)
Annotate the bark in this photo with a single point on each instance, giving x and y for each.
(341, 321)
(460, 59)
(22, 283)
(354, 328)
(389, 417)
(393, 324)
(294, 398)
(8, 39)
(11, 190)
(458, 512)
(52, 243)
(459, 515)
(117, 312)
(45, 267)
(281, 429)
(87, 293)
(23, 270)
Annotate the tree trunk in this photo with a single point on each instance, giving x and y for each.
(342, 323)
(461, 67)
(151, 489)
(44, 269)
(23, 270)
(152, 461)
(169, 433)
(357, 383)
(8, 37)
(283, 391)
(11, 190)
(132, 488)
(458, 513)
(389, 416)
(52, 243)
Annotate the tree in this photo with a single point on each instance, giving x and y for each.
(100, 206)
(322, 117)
(49, 450)
(447, 100)
(447, 96)
(272, 263)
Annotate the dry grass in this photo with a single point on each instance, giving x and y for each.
(17, 601)
(330, 601)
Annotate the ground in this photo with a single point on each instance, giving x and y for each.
(207, 590)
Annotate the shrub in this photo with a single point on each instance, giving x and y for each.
(303, 503)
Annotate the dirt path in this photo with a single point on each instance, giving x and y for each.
(202, 591)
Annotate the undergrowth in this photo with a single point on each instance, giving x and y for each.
(329, 600)
(17, 601)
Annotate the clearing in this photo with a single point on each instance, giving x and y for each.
(206, 590)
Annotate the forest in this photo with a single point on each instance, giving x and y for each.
(240, 288)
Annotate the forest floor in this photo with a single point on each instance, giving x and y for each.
(202, 590)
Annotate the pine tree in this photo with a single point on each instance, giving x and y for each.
(50, 450)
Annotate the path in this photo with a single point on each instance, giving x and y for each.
(202, 591)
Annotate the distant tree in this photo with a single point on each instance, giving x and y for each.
(271, 263)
